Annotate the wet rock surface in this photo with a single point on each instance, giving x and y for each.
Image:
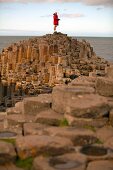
(67, 161)
(69, 126)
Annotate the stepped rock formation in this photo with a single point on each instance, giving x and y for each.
(48, 60)
(71, 128)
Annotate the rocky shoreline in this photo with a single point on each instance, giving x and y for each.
(69, 128)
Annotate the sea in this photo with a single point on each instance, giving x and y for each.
(102, 46)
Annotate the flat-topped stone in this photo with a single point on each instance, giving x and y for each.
(34, 129)
(105, 133)
(68, 132)
(79, 136)
(68, 100)
(33, 105)
(82, 122)
(76, 90)
(33, 145)
(49, 117)
(72, 161)
(84, 81)
(104, 86)
(101, 165)
(19, 119)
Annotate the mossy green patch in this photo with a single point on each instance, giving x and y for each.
(9, 141)
(98, 141)
(25, 164)
(63, 122)
(90, 128)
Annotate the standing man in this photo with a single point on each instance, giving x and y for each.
(55, 20)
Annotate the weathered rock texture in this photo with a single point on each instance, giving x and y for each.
(85, 105)
(47, 60)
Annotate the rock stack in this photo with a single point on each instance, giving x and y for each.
(48, 60)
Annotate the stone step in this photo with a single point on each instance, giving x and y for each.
(82, 122)
(19, 119)
(79, 102)
(84, 81)
(49, 117)
(34, 129)
(33, 145)
(33, 105)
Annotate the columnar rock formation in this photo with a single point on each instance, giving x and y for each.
(48, 60)
(84, 107)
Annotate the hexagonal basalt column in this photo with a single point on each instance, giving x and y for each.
(66, 162)
(32, 145)
(78, 101)
(104, 86)
(32, 105)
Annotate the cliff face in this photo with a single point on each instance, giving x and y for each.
(48, 60)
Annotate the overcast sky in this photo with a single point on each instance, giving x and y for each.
(77, 17)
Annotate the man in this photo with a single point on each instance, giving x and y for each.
(55, 20)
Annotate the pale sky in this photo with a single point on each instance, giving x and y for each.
(77, 17)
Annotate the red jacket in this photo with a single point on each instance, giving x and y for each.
(55, 19)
